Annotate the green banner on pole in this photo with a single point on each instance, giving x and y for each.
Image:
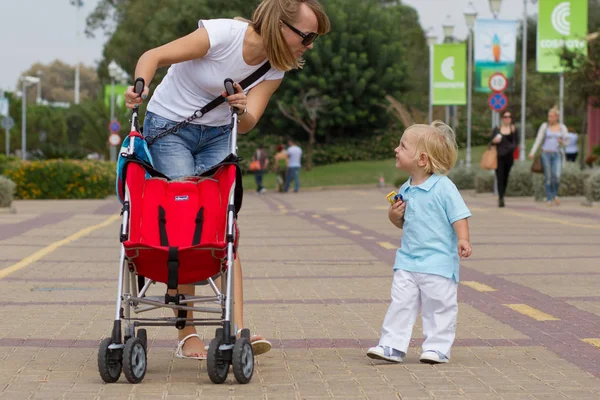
(449, 74)
(119, 98)
(561, 23)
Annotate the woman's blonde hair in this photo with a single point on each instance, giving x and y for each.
(555, 110)
(438, 142)
(266, 22)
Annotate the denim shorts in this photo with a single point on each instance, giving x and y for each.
(188, 151)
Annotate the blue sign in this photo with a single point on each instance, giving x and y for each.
(114, 126)
(8, 123)
(498, 101)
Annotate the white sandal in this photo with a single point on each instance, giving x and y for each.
(179, 351)
(258, 346)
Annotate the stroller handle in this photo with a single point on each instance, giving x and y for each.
(139, 85)
(138, 88)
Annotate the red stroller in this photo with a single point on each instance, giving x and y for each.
(176, 232)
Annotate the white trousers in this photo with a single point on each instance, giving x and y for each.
(436, 296)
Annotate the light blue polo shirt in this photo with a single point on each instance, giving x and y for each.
(429, 243)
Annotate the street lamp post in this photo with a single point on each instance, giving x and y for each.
(77, 4)
(117, 74)
(523, 82)
(27, 80)
(470, 15)
(495, 6)
(448, 28)
(431, 38)
(38, 101)
(114, 73)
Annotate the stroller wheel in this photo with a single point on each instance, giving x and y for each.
(109, 362)
(134, 360)
(217, 366)
(243, 360)
(143, 336)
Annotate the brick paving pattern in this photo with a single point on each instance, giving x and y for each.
(317, 277)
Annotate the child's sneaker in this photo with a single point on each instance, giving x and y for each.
(433, 357)
(385, 353)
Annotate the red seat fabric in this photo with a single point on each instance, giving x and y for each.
(181, 201)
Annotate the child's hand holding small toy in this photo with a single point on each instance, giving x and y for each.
(397, 208)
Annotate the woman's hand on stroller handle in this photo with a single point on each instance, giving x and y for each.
(135, 95)
(235, 96)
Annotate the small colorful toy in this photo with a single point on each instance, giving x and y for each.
(393, 197)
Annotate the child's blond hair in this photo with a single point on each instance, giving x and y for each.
(438, 142)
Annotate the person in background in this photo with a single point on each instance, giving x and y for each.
(505, 139)
(294, 163)
(571, 149)
(261, 156)
(551, 135)
(280, 167)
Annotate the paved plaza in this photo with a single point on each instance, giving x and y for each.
(317, 277)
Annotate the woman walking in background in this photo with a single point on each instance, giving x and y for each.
(552, 135)
(280, 167)
(505, 139)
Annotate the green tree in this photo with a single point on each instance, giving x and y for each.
(58, 82)
(362, 59)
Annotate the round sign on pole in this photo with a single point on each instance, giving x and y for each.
(8, 123)
(114, 126)
(114, 139)
(498, 102)
(498, 82)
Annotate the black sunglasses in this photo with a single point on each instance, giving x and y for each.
(307, 38)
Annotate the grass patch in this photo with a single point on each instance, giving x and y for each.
(355, 172)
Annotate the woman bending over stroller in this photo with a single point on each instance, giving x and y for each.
(280, 32)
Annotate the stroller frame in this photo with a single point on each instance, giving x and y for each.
(128, 351)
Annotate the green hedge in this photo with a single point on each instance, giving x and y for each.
(62, 179)
(573, 182)
(6, 161)
(591, 187)
(463, 177)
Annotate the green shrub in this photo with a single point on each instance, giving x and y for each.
(520, 183)
(592, 186)
(484, 181)
(63, 179)
(572, 181)
(5, 161)
(7, 191)
(463, 177)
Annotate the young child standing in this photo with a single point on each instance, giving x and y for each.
(435, 233)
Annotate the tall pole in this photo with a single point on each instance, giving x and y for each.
(469, 96)
(76, 96)
(24, 122)
(113, 149)
(561, 95)
(7, 137)
(523, 83)
(430, 83)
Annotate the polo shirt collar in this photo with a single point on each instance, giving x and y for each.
(429, 183)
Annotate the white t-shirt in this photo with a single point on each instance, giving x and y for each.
(190, 85)
(294, 156)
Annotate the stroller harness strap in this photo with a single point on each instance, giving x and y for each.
(173, 256)
(173, 265)
(198, 229)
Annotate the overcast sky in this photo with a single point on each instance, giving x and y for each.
(44, 30)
